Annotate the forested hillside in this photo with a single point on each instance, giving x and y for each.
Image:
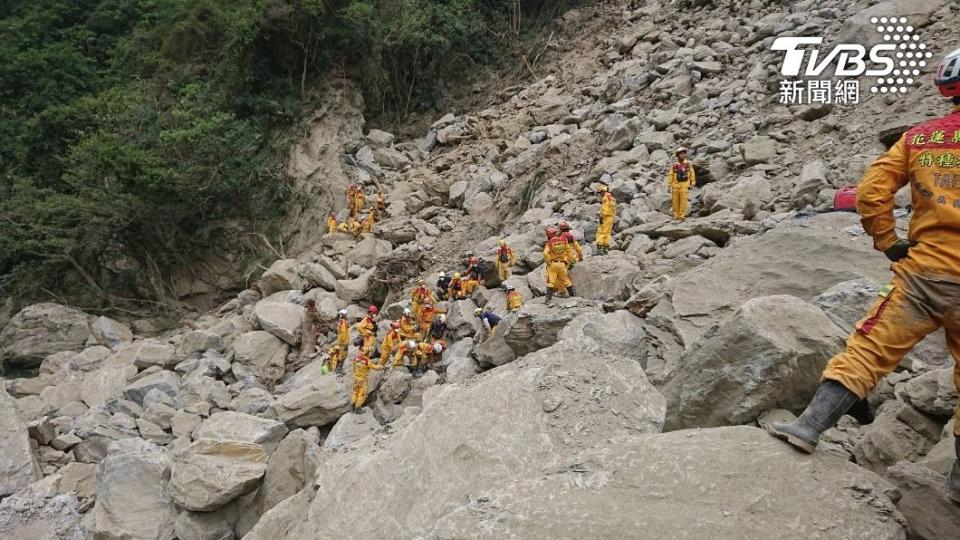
(132, 130)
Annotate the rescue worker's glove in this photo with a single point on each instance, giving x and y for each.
(899, 250)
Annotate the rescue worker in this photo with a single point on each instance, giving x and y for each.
(380, 206)
(438, 330)
(681, 177)
(474, 276)
(338, 351)
(331, 223)
(311, 329)
(431, 356)
(925, 292)
(514, 298)
(361, 370)
(455, 289)
(427, 313)
(574, 251)
(359, 201)
(608, 213)
(555, 256)
(390, 341)
(368, 327)
(366, 226)
(352, 199)
(443, 284)
(418, 296)
(505, 259)
(410, 354)
(355, 227)
(489, 319)
(408, 325)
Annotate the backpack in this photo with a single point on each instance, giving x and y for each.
(680, 169)
(504, 255)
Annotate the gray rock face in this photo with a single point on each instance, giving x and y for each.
(352, 290)
(317, 275)
(110, 333)
(926, 502)
(351, 428)
(759, 149)
(259, 348)
(933, 392)
(620, 333)
(481, 463)
(316, 404)
(28, 515)
(132, 497)
(18, 464)
(768, 355)
(105, 383)
(280, 319)
(199, 341)
(538, 326)
(290, 469)
(281, 276)
(607, 277)
(235, 426)
(40, 330)
(369, 251)
(209, 474)
(847, 302)
(167, 382)
(898, 433)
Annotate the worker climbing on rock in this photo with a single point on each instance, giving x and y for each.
(408, 325)
(418, 296)
(331, 223)
(361, 370)
(455, 289)
(390, 342)
(380, 206)
(443, 286)
(411, 353)
(925, 292)
(505, 259)
(608, 214)
(429, 357)
(368, 327)
(428, 311)
(355, 227)
(489, 320)
(555, 257)
(514, 298)
(681, 177)
(437, 333)
(338, 351)
(366, 226)
(574, 251)
(352, 199)
(359, 201)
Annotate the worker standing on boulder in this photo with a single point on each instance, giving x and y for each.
(574, 251)
(408, 325)
(338, 352)
(419, 296)
(555, 257)
(368, 327)
(352, 199)
(443, 286)
(608, 214)
(427, 313)
(505, 259)
(359, 201)
(361, 370)
(438, 330)
(331, 223)
(380, 206)
(681, 177)
(474, 276)
(455, 289)
(390, 342)
(925, 292)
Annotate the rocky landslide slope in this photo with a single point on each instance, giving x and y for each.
(553, 427)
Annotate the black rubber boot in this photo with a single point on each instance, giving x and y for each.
(954, 480)
(571, 292)
(549, 295)
(829, 404)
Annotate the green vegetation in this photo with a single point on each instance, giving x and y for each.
(130, 128)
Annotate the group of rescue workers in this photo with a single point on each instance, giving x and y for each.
(923, 296)
(358, 221)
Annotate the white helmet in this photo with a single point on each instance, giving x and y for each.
(443, 274)
(342, 313)
(437, 347)
(947, 78)
(443, 318)
(411, 344)
(406, 311)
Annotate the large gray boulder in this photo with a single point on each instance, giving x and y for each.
(167, 382)
(768, 355)
(933, 392)
(105, 383)
(538, 326)
(351, 428)
(925, 503)
(236, 426)
(620, 332)
(282, 319)
(369, 251)
(899, 432)
(353, 290)
(40, 330)
(290, 468)
(607, 277)
(259, 348)
(847, 302)
(209, 474)
(553, 466)
(146, 353)
(18, 464)
(319, 403)
(110, 333)
(281, 276)
(132, 496)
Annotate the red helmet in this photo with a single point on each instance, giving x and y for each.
(947, 78)
(564, 226)
(373, 310)
(473, 260)
(395, 325)
(551, 232)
